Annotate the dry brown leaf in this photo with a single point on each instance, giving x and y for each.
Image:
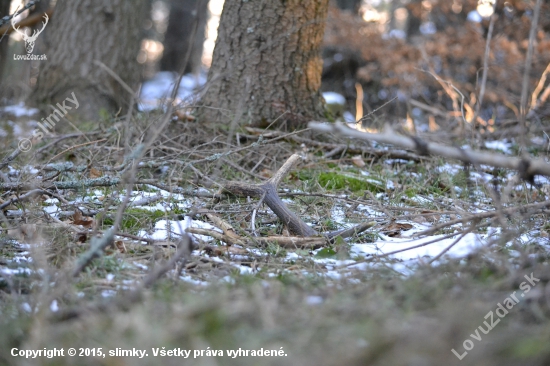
(79, 219)
(394, 229)
(223, 250)
(81, 238)
(266, 173)
(95, 173)
(184, 115)
(120, 246)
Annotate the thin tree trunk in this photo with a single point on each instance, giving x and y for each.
(82, 32)
(177, 39)
(266, 64)
(4, 10)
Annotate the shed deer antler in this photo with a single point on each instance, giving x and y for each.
(29, 40)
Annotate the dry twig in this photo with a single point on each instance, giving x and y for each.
(526, 167)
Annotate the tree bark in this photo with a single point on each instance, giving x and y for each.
(82, 32)
(266, 64)
(177, 39)
(350, 5)
(4, 10)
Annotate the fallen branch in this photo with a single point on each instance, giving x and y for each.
(527, 167)
(4, 27)
(96, 182)
(11, 157)
(485, 215)
(289, 242)
(374, 257)
(350, 148)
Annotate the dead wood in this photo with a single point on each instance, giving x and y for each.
(527, 167)
(96, 182)
(336, 148)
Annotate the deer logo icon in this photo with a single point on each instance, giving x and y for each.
(29, 40)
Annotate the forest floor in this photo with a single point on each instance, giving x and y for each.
(431, 282)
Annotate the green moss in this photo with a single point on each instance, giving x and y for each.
(275, 250)
(530, 347)
(410, 192)
(336, 181)
(138, 218)
(326, 253)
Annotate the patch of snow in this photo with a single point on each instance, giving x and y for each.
(334, 98)
(334, 275)
(291, 256)
(395, 161)
(108, 293)
(189, 279)
(245, 269)
(53, 201)
(15, 271)
(140, 266)
(466, 245)
(164, 229)
(348, 117)
(314, 300)
(51, 210)
(474, 17)
(159, 88)
(26, 307)
(503, 146)
(428, 28)
(53, 306)
(451, 169)
(19, 110)
(538, 140)
(396, 33)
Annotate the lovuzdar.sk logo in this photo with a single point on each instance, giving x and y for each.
(29, 41)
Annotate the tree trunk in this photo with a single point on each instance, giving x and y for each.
(267, 64)
(177, 39)
(81, 32)
(350, 5)
(4, 10)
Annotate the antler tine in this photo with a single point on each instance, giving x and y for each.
(37, 32)
(24, 34)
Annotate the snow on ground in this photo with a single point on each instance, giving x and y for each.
(159, 88)
(19, 110)
(166, 229)
(505, 147)
(466, 245)
(334, 98)
(360, 252)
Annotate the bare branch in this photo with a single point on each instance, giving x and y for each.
(527, 167)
